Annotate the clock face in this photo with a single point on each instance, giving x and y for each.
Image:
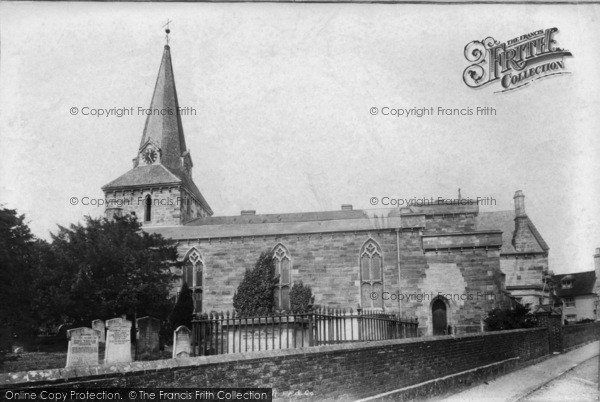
(149, 156)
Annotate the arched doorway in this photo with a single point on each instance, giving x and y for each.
(439, 317)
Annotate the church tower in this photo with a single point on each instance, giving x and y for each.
(159, 190)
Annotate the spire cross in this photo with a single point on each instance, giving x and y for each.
(167, 29)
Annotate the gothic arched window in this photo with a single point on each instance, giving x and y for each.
(371, 275)
(148, 209)
(283, 270)
(193, 272)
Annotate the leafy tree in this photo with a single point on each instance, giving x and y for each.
(254, 295)
(300, 297)
(183, 310)
(17, 264)
(104, 269)
(503, 319)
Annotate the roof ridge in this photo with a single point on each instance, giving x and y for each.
(537, 235)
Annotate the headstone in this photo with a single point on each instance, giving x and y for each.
(181, 342)
(99, 326)
(118, 341)
(148, 338)
(83, 347)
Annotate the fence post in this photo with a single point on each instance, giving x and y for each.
(359, 322)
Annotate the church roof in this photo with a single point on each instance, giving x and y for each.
(582, 283)
(156, 175)
(287, 217)
(307, 222)
(163, 125)
(505, 221)
(144, 176)
(245, 229)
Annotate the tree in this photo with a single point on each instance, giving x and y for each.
(17, 263)
(300, 297)
(104, 269)
(254, 295)
(503, 319)
(183, 310)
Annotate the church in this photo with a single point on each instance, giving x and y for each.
(446, 264)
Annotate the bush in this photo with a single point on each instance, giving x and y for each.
(254, 295)
(300, 297)
(585, 321)
(183, 310)
(503, 319)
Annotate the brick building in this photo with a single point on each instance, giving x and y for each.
(442, 262)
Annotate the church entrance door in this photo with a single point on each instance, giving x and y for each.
(438, 313)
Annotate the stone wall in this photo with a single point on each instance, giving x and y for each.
(469, 280)
(579, 334)
(169, 205)
(343, 372)
(524, 270)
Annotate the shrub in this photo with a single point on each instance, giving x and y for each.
(300, 297)
(503, 319)
(254, 295)
(585, 321)
(183, 310)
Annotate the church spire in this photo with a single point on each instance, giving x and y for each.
(163, 128)
(162, 163)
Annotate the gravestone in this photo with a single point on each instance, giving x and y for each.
(118, 341)
(83, 347)
(99, 326)
(181, 342)
(148, 338)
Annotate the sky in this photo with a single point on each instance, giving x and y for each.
(282, 95)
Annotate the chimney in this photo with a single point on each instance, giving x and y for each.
(597, 264)
(519, 204)
(346, 207)
(597, 284)
(248, 212)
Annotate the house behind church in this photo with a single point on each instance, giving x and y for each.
(578, 293)
(445, 260)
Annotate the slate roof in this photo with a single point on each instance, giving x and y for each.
(143, 175)
(243, 229)
(505, 221)
(306, 222)
(287, 217)
(330, 215)
(582, 284)
(163, 125)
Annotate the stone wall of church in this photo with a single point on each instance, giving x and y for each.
(469, 282)
(170, 206)
(524, 269)
(189, 208)
(166, 204)
(328, 263)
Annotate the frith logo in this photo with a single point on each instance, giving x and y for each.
(514, 63)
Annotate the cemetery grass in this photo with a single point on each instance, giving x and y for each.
(51, 358)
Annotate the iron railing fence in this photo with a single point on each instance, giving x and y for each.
(221, 333)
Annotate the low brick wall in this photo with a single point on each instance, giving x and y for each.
(579, 334)
(348, 371)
